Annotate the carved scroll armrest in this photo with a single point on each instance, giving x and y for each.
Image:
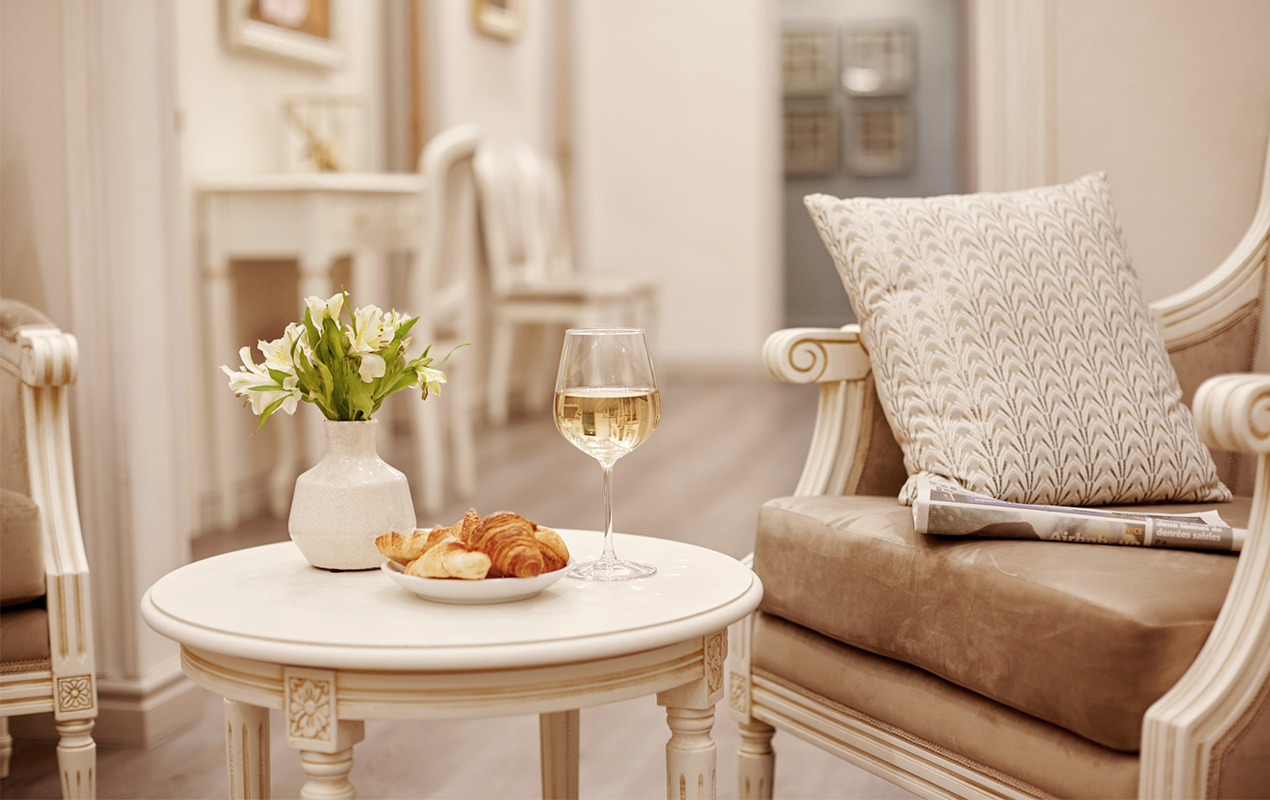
(46, 356)
(835, 359)
(1193, 738)
(816, 355)
(1232, 412)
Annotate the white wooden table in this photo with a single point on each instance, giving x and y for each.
(315, 219)
(266, 630)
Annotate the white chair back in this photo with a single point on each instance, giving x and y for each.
(443, 285)
(521, 210)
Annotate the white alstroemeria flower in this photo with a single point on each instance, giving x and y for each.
(295, 332)
(292, 386)
(249, 380)
(372, 367)
(392, 321)
(320, 309)
(278, 352)
(368, 334)
(289, 393)
(251, 374)
(429, 380)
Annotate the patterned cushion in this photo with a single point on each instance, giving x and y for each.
(1013, 350)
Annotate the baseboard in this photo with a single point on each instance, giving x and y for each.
(128, 720)
(129, 713)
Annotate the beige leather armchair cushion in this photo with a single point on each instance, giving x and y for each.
(24, 634)
(1083, 636)
(21, 549)
(917, 703)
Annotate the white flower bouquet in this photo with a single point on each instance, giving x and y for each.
(344, 368)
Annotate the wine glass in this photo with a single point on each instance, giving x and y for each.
(606, 405)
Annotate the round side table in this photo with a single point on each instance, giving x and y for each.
(264, 629)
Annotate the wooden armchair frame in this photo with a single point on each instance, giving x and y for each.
(1192, 734)
(46, 360)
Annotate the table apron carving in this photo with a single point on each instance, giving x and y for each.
(368, 694)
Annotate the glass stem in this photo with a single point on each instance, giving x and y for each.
(608, 514)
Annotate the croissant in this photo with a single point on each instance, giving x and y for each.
(508, 539)
(405, 547)
(450, 559)
(555, 554)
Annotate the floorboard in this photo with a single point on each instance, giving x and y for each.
(724, 446)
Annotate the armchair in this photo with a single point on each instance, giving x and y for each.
(46, 636)
(992, 668)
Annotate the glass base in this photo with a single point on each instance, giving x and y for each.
(611, 570)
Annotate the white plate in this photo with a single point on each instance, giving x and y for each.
(482, 592)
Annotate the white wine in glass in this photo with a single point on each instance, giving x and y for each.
(607, 404)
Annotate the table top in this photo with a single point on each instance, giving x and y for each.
(382, 182)
(268, 604)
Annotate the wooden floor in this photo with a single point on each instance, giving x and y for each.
(724, 446)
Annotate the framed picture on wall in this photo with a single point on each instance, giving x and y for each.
(811, 138)
(879, 138)
(880, 59)
(809, 58)
(300, 31)
(501, 19)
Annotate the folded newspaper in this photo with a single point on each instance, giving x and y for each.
(945, 508)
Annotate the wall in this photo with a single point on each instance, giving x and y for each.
(230, 119)
(675, 161)
(33, 242)
(505, 86)
(92, 224)
(231, 101)
(677, 169)
(813, 291)
(1171, 98)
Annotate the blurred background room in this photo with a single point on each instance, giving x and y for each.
(677, 139)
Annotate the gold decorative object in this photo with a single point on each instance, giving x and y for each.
(323, 133)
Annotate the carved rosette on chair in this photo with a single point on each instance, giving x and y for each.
(347, 499)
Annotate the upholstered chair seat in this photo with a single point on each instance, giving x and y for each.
(1083, 638)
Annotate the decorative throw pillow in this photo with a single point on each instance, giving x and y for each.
(1012, 348)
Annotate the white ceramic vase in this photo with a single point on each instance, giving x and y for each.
(347, 499)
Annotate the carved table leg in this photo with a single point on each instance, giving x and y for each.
(690, 754)
(247, 750)
(327, 775)
(756, 761)
(77, 758)
(6, 747)
(558, 734)
(311, 710)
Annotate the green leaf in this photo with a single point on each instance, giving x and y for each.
(404, 328)
(360, 399)
(447, 355)
(278, 375)
(269, 409)
(310, 328)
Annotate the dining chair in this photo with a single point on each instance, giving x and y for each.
(442, 292)
(535, 283)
